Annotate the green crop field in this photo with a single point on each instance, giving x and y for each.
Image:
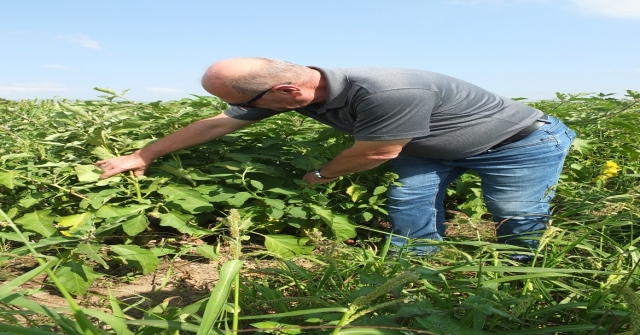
(286, 258)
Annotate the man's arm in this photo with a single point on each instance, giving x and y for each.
(196, 133)
(361, 156)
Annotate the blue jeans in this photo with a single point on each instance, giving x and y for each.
(518, 181)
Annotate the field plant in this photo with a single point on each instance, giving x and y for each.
(242, 195)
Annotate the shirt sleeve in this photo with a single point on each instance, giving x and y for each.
(394, 114)
(249, 114)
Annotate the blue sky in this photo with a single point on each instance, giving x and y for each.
(159, 49)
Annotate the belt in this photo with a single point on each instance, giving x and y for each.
(541, 121)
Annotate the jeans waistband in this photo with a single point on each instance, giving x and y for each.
(541, 121)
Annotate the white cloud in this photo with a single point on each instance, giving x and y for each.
(31, 88)
(56, 66)
(163, 90)
(611, 8)
(82, 40)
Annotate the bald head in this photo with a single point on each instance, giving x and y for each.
(250, 76)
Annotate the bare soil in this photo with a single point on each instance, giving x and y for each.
(176, 281)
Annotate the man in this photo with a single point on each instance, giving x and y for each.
(432, 128)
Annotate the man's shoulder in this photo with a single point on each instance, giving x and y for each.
(376, 79)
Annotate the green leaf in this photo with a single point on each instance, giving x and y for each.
(239, 199)
(355, 191)
(108, 211)
(77, 224)
(298, 212)
(105, 90)
(219, 295)
(135, 225)
(207, 251)
(102, 152)
(8, 179)
(76, 276)
(181, 223)
(581, 145)
(258, 185)
(189, 199)
(281, 191)
(144, 258)
(180, 173)
(39, 222)
(87, 173)
(339, 224)
(275, 203)
(287, 246)
(75, 110)
(379, 190)
(92, 251)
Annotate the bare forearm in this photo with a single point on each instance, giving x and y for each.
(195, 133)
(350, 161)
(360, 157)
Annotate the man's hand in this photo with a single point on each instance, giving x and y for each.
(113, 166)
(311, 178)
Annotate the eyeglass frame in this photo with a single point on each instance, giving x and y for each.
(256, 98)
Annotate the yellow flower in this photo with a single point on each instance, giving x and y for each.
(611, 169)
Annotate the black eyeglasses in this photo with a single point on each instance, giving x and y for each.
(256, 98)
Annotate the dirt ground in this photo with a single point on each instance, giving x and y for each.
(180, 281)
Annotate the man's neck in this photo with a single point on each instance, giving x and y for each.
(319, 86)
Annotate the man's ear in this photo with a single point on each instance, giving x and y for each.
(288, 89)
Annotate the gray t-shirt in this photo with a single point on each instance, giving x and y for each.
(446, 118)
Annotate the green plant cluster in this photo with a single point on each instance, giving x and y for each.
(245, 187)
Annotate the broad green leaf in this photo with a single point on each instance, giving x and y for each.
(8, 179)
(287, 246)
(193, 204)
(39, 222)
(207, 251)
(258, 185)
(180, 173)
(298, 212)
(76, 224)
(355, 191)
(87, 173)
(239, 199)
(135, 225)
(189, 199)
(270, 325)
(379, 190)
(144, 258)
(75, 110)
(108, 211)
(339, 224)
(275, 203)
(102, 152)
(76, 276)
(93, 252)
(181, 223)
(33, 198)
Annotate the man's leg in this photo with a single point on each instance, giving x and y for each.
(519, 179)
(416, 208)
